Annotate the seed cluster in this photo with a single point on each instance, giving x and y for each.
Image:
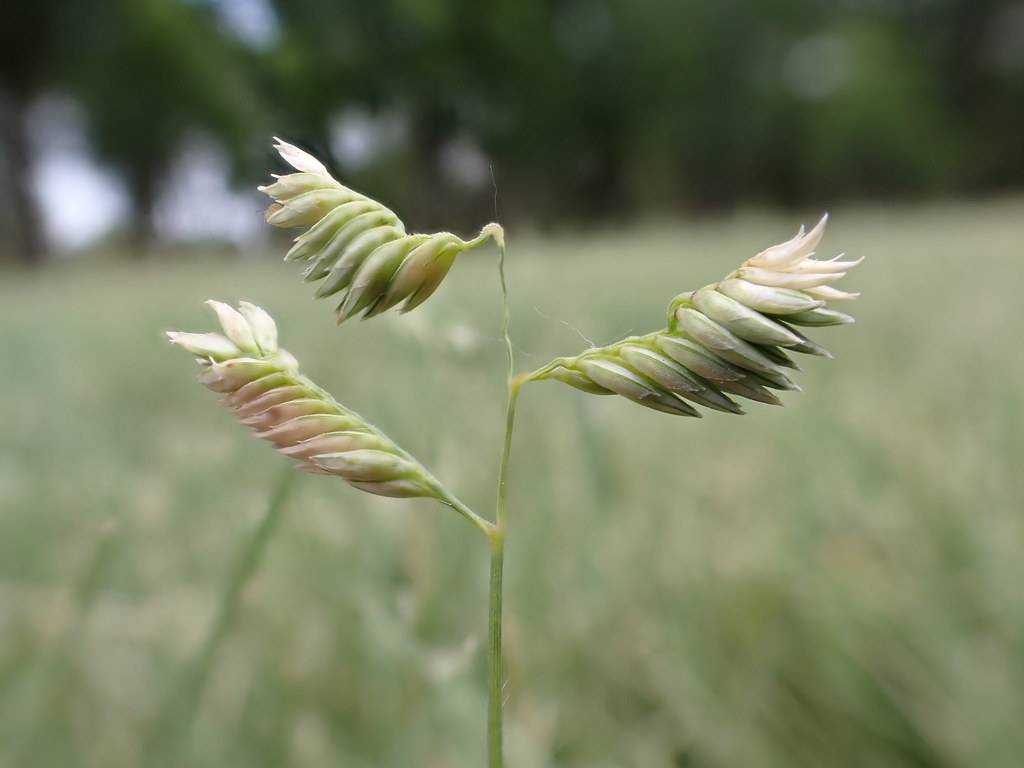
(262, 386)
(355, 247)
(729, 338)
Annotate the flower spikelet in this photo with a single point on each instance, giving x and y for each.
(728, 338)
(357, 250)
(261, 385)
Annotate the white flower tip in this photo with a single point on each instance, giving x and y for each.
(792, 251)
(182, 338)
(206, 346)
(299, 159)
(812, 238)
(226, 314)
(264, 329)
(235, 326)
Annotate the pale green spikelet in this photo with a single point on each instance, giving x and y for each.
(261, 384)
(357, 249)
(728, 338)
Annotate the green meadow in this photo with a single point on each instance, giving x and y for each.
(839, 582)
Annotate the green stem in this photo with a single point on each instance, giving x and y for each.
(450, 500)
(495, 673)
(170, 736)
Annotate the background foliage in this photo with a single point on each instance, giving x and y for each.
(638, 105)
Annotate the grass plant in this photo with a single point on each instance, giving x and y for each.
(730, 336)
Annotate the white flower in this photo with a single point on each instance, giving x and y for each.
(789, 265)
(299, 159)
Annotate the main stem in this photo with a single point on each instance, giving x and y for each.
(495, 672)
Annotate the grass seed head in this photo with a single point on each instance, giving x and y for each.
(728, 338)
(355, 248)
(260, 383)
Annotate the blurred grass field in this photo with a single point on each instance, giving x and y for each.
(835, 583)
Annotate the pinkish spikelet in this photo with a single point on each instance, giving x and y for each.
(262, 386)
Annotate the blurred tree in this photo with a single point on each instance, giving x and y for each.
(976, 50)
(388, 55)
(148, 72)
(703, 103)
(587, 108)
(30, 47)
(884, 130)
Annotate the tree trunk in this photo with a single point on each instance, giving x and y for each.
(17, 148)
(430, 128)
(143, 184)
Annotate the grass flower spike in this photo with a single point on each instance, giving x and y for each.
(357, 249)
(728, 338)
(261, 385)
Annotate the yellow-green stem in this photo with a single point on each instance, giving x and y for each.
(495, 673)
(450, 500)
